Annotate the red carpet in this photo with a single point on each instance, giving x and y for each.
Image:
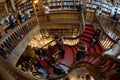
(68, 59)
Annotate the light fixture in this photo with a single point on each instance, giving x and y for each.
(35, 1)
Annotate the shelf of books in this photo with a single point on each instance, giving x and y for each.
(24, 4)
(105, 5)
(61, 4)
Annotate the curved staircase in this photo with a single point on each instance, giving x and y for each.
(93, 56)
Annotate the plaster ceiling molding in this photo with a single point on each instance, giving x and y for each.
(114, 2)
(2, 1)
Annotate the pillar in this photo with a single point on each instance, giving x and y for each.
(6, 8)
(4, 75)
(41, 7)
(13, 5)
(84, 3)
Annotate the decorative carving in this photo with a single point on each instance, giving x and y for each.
(114, 51)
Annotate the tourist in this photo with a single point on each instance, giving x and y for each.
(60, 46)
(58, 70)
(115, 17)
(13, 21)
(95, 37)
(81, 51)
(79, 7)
(21, 16)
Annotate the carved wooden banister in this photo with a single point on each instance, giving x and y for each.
(10, 40)
(12, 73)
(61, 17)
(12, 45)
(101, 63)
(105, 39)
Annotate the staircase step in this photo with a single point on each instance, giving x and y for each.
(86, 35)
(86, 39)
(91, 59)
(98, 48)
(68, 58)
(96, 61)
(89, 27)
(87, 43)
(89, 32)
(76, 47)
(106, 68)
(92, 49)
(74, 50)
(110, 73)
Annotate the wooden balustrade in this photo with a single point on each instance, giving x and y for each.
(61, 17)
(107, 22)
(101, 64)
(10, 40)
(12, 73)
(117, 29)
(105, 39)
(10, 48)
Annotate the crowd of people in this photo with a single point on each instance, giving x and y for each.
(21, 17)
(43, 60)
(15, 19)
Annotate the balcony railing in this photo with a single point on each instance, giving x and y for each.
(61, 17)
(10, 40)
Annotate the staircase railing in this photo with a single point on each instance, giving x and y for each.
(110, 25)
(105, 67)
(83, 21)
(105, 39)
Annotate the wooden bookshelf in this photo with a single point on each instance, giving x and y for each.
(61, 4)
(22, 4)
(105, 6)
(3, 12)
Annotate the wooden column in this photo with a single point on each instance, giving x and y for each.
(41, 7)
(4, 75)
(6, 8)
(13, 5)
